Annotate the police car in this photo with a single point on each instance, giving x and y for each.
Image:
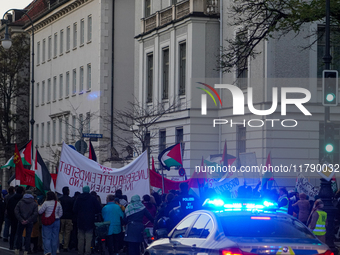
(237, 227)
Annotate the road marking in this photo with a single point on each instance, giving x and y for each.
(3, 248)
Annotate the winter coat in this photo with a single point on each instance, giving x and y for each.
(112, 212)
(26, 209)
(12, 203)
(67, 203)
(152, 210)
(135, 227)
(86, 207)
(303, 206)
(48, 207)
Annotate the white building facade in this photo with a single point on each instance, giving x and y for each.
(78, 78)
(177, 45)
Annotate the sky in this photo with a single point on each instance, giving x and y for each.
(5, 5)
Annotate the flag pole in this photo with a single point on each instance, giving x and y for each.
(163, 189)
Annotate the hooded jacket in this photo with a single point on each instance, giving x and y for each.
(26, 209)
(12, 202)
(85, 207)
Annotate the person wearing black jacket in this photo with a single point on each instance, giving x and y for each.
(135, 213)
(12, 203)
(26, 211)
(86, 207)
(11, 193)
(66, 225)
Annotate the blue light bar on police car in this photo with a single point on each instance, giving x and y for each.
(231, 205)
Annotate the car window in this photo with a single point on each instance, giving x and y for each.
(180, 230)
(207, 230)
(198, 227)
(247, 226)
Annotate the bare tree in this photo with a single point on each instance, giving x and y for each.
(136, 125)
(261, 20)
(14, 92)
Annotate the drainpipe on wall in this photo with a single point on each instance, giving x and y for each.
(112, 73)
(221, 73)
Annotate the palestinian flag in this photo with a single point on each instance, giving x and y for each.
(171, 156)
(26, 156)
(25, 176)
(268, 177)
(43, 179)
(92, 153)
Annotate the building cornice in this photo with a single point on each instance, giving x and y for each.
(55, 13)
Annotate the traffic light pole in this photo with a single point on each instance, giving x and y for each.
(326, 192)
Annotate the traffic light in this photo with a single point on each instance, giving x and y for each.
(329, 144)
(330, 88)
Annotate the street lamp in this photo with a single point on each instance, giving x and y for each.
(7, 43)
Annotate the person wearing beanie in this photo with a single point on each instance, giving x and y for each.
(66, 225)
(26, 212)
(318, 220)
(85, 208)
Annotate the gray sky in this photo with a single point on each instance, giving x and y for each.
(5, 5)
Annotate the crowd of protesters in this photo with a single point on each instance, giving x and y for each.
(58, 224)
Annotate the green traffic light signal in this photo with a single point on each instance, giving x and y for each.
(330, 97)
(329, 148)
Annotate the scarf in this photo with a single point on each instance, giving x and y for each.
(135, 206)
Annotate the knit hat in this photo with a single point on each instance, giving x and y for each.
(29, 192)
(86, 189)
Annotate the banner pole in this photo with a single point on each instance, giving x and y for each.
(163, 189)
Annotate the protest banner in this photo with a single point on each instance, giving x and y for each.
(77, 171)
(228, 185)
(303, 186)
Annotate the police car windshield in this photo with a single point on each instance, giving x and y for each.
(279, 227)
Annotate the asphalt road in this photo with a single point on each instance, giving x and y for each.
(5, 251)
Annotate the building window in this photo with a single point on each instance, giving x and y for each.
(162, 140)
(165, 91)
(88, 122)
(74, 81)
(54, 88)
(54, 131)
(49, 48)
(242, 62)
(81, 123)
(43, 50)
(68, 38)
(48, 132)
(67, 87)
(48, 90)
(43, 92)
(182, 67)
(42, 134)
(74, 127)
(147, 8)
(37, 133)
(149, 78)
(55, 44)
(66, 128)
(75, 35)
(88, 76)
(38, 53)
(179, 135)
(89, 28)
(82, 36)
(334, 48)
(61, 83)
(60, 130)
(37, 95)
(61, 47)
(81, 79)
(241, 141)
